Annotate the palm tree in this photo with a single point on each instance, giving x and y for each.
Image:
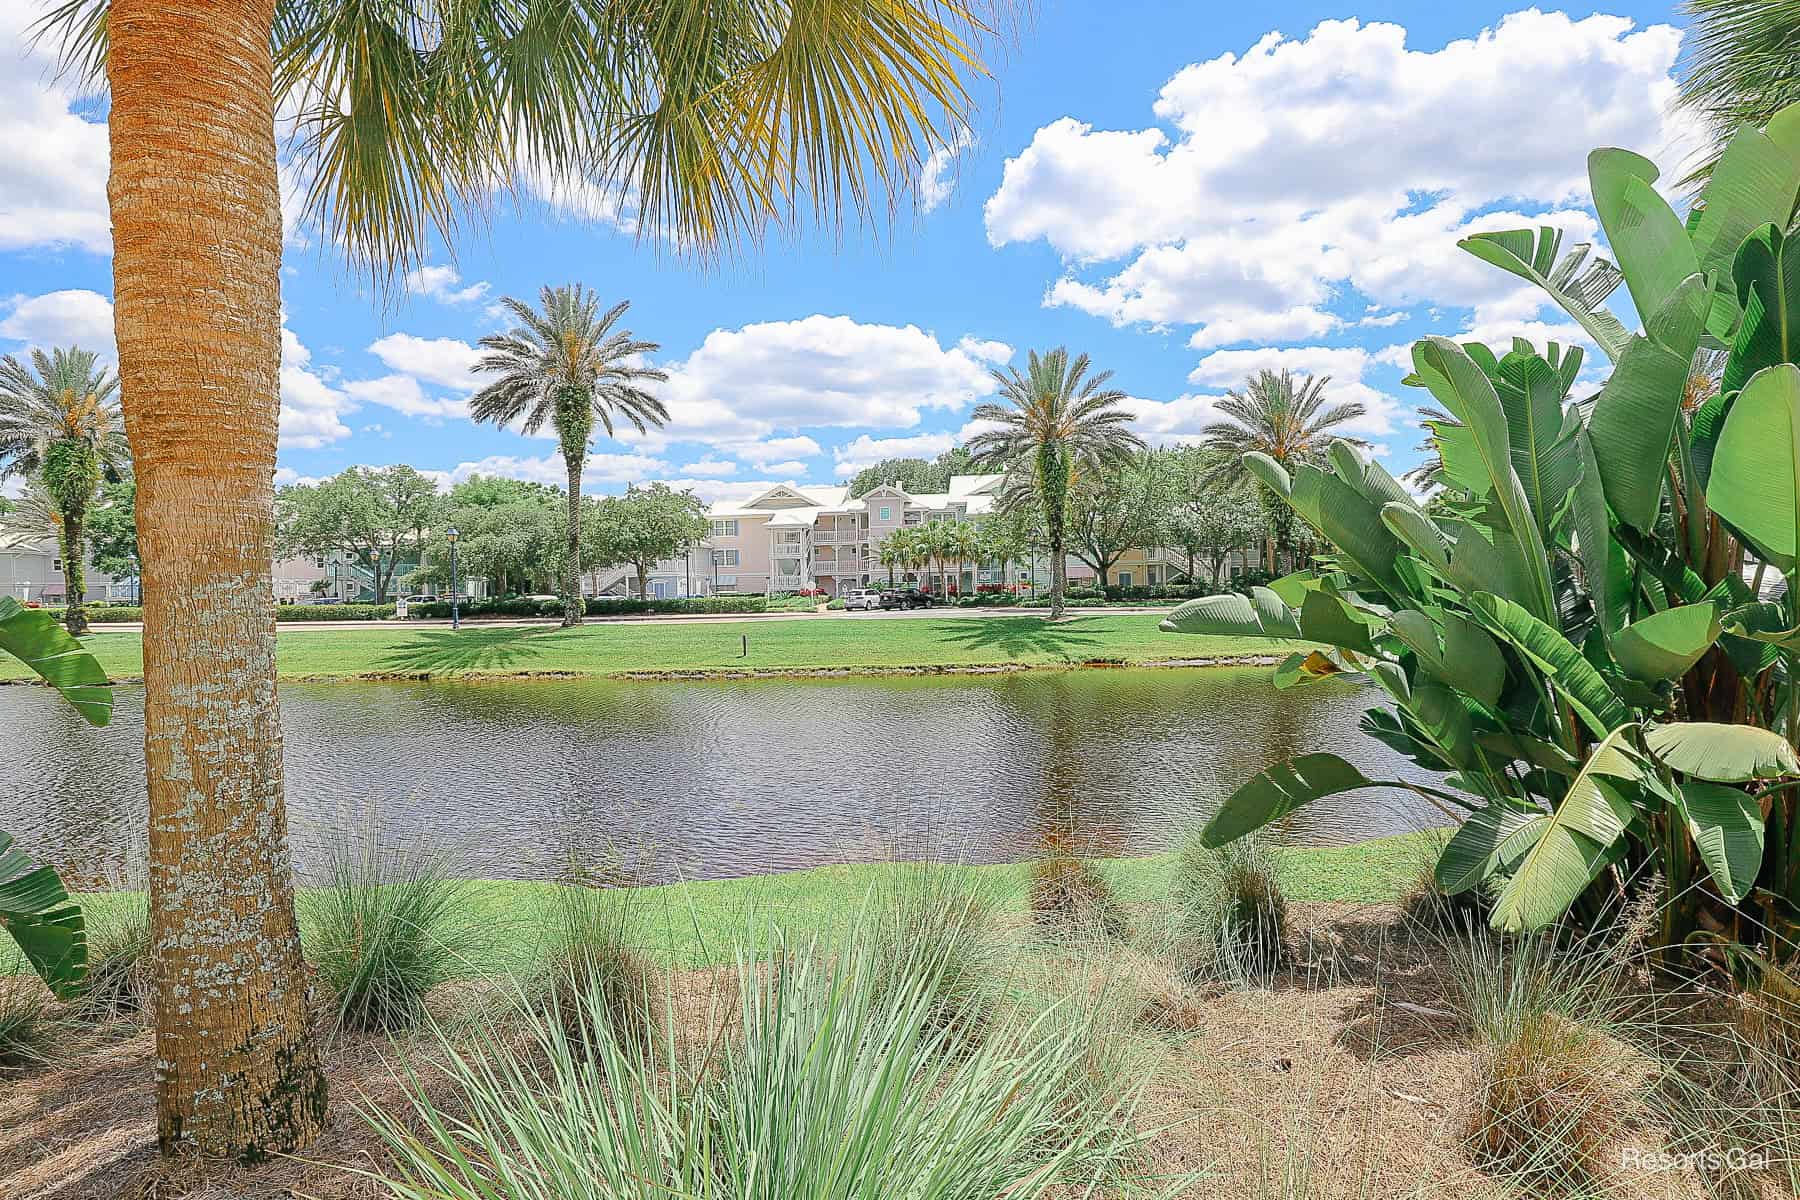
(963, 540)
(1739, 65)
(1056, 423)
(564, 365)
(895, 553)
(59, 422)
(715, 122)
(1289, 423)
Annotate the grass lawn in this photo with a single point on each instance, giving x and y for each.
(699, 923)
(775, 645)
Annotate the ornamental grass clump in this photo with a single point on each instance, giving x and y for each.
(1068, 894)
(28, 1026)
(118, 984)
(1231, 913)
(831, 1089)
(387, 928)
(1551, 1089)
(944, 917)
(594, 938)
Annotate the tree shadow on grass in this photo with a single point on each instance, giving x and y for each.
(437, 651)
(1018, 637)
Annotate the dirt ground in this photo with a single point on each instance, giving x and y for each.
(1346, 1079)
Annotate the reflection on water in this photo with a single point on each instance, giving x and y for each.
(731, 778)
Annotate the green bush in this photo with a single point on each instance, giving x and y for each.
(117, 984)
(1231, 912)
(597, 606)
(386, 931)
(103, 612)
(333, 612)
(593, 957)
(28, 1027)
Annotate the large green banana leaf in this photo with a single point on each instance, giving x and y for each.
(36, 910)
(1420, 534)
(1580, 293)
(1767, 271)
(1647, 238)
(1350, 522)
(1462, 387)
(1494, 838)
(1667, 644)
(1633, 423)
(1545, 455)
(1723, 753)
(1753, 184)
(1727, 827)
(1756, 468)
(1570, 845)
(1466, 658)
(1568, 672)
(1260, 614)
(1280, 790)
(33, 637)
(1607, 582)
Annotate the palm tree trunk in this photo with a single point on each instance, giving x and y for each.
(197, 311)
(1053, 479)
(74, 558)
(573, 607)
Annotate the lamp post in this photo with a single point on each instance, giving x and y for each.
(451, 536)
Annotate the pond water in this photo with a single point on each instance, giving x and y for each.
(706, 779)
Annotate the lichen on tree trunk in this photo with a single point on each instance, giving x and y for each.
(196, 267)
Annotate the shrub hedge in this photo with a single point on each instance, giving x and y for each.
(597, 606)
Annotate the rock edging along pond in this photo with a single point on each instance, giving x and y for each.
(693, 674)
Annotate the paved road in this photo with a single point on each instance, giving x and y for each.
(692, 619)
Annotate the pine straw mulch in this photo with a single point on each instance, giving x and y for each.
(1345, 1079)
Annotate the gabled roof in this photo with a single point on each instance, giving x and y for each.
(975, 485)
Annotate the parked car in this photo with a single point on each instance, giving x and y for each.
(907, 598)
(862, 598)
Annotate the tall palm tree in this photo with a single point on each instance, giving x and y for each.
(1290, 423)
(1056, 422)
(1739, 67)
(963, 540)
(59, 423)
(565, 365)
(716, 122)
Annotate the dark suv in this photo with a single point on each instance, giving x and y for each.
(907, 598)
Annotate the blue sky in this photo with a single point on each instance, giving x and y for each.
(1186, 192)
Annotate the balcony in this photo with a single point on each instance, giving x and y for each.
(787, 583)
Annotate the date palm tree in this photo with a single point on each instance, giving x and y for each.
(566, 365)
(1284, 419)
(715, 122)
(59, 424)
(1055, 422)
(1739, 67)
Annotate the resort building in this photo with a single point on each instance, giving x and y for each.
(31, 569)
(794, 538)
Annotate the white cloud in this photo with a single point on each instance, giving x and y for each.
(312, 410)
(747, 391)
(53, 188)
(404, 395)
(1287, 177)
(936, 180)
(602, 469)
(73, 317)
(710, 467)
(866, 451)
(446, 362)
(440, 284)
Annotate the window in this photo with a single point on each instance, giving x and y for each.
(1124, 579)
(725, 528)
(56, 564)
(887, 514)
(913, 518)
(725, 558)
(727, 583)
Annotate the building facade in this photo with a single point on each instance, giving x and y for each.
(31, 569)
